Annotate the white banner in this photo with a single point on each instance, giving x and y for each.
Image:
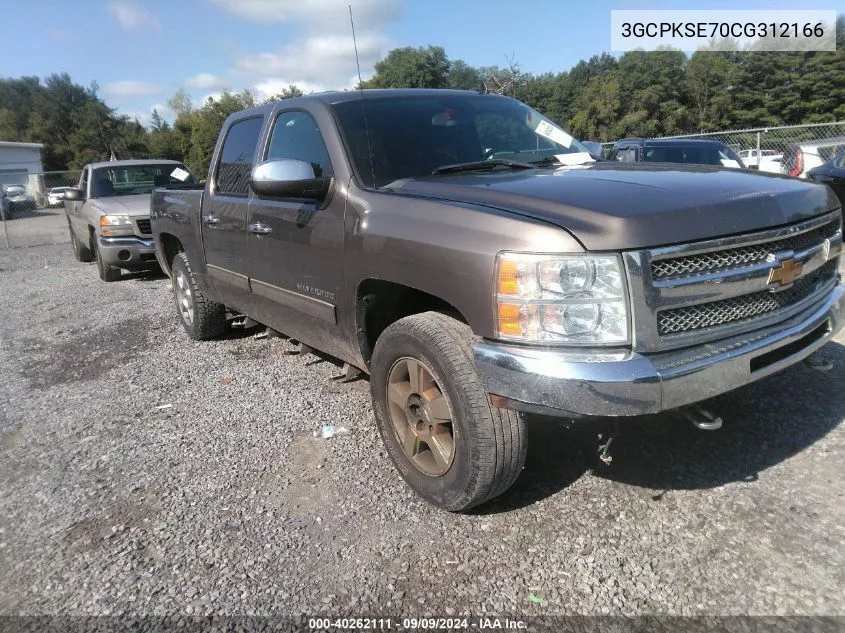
(787, 30)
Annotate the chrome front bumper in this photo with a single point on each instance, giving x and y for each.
(129, 252)
(626, 383)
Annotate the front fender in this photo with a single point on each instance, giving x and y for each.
(445, 249)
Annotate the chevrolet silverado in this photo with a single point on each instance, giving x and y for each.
(475, 260)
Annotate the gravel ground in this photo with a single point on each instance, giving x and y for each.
(225, 503)
(34, 228)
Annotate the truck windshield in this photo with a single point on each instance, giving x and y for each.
(413, 136)
(138, 179)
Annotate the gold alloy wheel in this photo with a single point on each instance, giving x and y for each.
(421, 417)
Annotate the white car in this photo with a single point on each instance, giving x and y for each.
(56, 196)
(767, 160)
(801, 157)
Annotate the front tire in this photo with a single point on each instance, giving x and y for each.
(107, 272)
(80, 252)
(446, 439)
(202, 318)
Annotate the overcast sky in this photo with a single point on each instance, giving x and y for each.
(141, 52)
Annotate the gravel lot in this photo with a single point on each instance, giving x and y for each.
(225, 503)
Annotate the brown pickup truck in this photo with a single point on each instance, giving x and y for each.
(478, 263)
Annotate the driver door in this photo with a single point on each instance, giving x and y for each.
(295, 246)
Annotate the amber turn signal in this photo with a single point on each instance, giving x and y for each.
(509, 319)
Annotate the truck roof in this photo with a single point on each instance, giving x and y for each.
(137, 161)
(340, 96)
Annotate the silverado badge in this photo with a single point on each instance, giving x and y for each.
(786, 273)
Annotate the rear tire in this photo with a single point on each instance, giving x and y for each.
(456, 464)
(80, 252)
(202, 318)
(107, 272)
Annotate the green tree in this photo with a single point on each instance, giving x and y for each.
(411, 68)
(462, 76)
(707, 79)
(287, 93)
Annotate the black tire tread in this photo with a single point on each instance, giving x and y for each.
(209, 316)
(501, 453)
(107, 272)
(80, 252)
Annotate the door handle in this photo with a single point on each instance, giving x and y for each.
(260, 228)
(210, 219)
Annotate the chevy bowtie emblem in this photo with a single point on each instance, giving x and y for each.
(786, 273)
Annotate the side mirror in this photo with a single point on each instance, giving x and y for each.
(594, 147)
(73, 194)
(288, 178)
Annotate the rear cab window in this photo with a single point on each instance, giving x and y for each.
(237, 157)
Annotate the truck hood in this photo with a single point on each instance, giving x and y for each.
(610, 206)
(133, 206)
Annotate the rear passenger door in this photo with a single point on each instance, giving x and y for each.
(224, 212)
(295, 245)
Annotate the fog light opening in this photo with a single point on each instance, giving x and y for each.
(124, 255)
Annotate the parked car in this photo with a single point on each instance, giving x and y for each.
(4, 204)
(767, 160)
(832, 173)
(670, 150)
(752, 155)
(378, 228)
(56, 196)
(18, 199)
(108, 213)
(801, 157)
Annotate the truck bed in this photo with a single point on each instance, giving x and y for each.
(175, 213)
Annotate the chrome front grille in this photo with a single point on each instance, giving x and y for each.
(736, 309)
(700, 292)
(703, 263)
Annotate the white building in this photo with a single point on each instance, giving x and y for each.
(20, 164)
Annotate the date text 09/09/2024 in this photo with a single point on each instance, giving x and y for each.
(417, 624)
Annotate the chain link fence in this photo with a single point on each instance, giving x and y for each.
(32, 208)
(774, 149)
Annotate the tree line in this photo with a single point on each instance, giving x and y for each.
(658, 93)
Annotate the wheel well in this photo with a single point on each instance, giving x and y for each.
(170, 246)
(381, 303)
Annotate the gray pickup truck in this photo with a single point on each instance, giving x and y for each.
(108, 213)
(476, 261)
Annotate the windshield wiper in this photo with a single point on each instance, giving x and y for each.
(548, 160)
(482, 165)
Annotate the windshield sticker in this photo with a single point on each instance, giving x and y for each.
(546, 129)
(180, 174)
(576, 158)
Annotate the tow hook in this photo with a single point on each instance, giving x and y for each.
(702, 419)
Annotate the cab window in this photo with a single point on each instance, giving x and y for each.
(296, 135)
(237, 157)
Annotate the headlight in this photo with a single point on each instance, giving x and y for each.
(115, 225)
(115, 220)
(576, 299)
